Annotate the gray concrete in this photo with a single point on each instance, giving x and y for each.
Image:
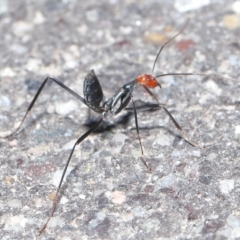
(192, 193)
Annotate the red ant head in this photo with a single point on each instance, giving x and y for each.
(148, 81)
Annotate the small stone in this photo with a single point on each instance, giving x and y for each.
(74, 50)
(39, 18)
(100, 217)
(40, 149)
(236, 7)
(13, 143)
(234, 60)
(58, 174)
(4, 102)
(117, 197)
(7, 72)
(69, 145)
(82, 196)
(39, 203)
(68, 133)
(16, 223)
(18, 49)
(155, 38)
(8, 180)
(190, 5)
(50, 109)
(138, 23)
(224, 66)
(92, 15)
(65, 238)
(231, 21)
(152, 225)
(164, 140)
(212, 225)
(200, 56)
(71, 57)
(20, 28)
(63, 200)
(51, 196)
(195, 153)
(119, 138)
(33, 65)
(139, 212)
(167, 181)
(176, 153)
(184, 44)
(211, 156)
(15, 203)
(213, 87)
(126, 30)
(237, 132)
(226, 186)
(55, 221)
(205, 179)
(233, 221)
(62, 108)
(51, 69)
(3, 6)
(70, 65)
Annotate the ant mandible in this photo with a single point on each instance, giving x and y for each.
(94, 99)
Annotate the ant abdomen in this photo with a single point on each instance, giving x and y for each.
(93, 93)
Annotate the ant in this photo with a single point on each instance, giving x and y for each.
(94, 99)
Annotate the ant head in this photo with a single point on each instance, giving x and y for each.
(147, 81)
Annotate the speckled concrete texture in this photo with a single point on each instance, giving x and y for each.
(192, 193)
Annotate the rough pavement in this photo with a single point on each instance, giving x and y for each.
(192, 193)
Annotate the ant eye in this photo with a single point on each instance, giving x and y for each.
(148, 81)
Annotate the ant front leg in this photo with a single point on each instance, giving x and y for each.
(37, 95)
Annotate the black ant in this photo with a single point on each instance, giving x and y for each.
(94, 99)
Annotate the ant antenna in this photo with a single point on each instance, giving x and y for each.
(160, 50)
(195, 74)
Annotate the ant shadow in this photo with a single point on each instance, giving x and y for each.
(107, 126)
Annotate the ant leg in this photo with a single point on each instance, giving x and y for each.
(84, 136)
(139, 139)
(37, 95)
(154, 107)
(146, 107)
(185, 136)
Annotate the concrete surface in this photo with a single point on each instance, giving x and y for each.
(192, 193)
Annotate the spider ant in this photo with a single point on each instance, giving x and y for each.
(94, 99)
